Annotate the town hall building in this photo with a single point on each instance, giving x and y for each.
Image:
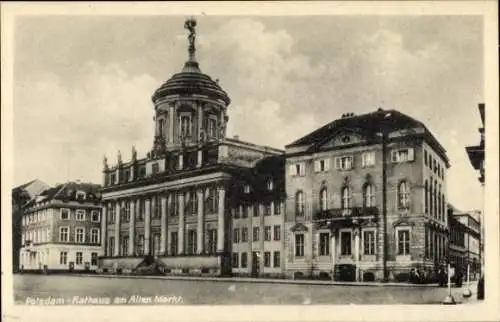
(199, 203)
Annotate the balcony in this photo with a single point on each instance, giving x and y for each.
(350, 213)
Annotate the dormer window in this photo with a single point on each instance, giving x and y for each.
(142, 171)
(80, 195)
(246, 188)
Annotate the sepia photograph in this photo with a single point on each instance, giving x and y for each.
(176, 156)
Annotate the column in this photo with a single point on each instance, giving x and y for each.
(117, 228)
(201, 222)
(261, 237)
(131, 239)
(356, 251)
(333, 249)
(163, 240)
(147, 226)
(104, 226)
(169, 207)
(171, 118)
(180, 249)
(221, 220)
(153, 207)
(200, 121)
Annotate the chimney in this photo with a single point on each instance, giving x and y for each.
(236, 137)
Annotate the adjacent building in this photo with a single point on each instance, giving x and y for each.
(20, 196)
(337, 178)
(199, 202)
(61, 229)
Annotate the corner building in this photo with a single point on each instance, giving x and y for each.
(334, 206)
(199, 203)
(61, 229)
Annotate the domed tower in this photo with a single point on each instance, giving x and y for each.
(190, 107)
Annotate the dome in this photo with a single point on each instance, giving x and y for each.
(191, 81)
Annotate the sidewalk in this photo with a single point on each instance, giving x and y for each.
(259, 280)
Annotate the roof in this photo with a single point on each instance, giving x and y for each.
(370, 124)
(67, 192)
(30, 189)
(191, 81)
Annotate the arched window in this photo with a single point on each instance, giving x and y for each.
(161, 127)
(299, 204)
(403, 195)
(368, 195)
(426, 200)
(346, 198)
(323, 199)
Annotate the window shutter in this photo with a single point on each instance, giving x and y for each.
(302, 167)
(316, 165)
(411, 154)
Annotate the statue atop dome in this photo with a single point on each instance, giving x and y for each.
(190, 25)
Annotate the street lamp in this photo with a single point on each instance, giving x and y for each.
(384, 195)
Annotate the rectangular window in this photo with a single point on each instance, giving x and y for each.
(139, 246)
(368, 159)
(277, 232)
(276, 259)
(174, 237)
(64, 214)
(369, 242)
(236, 235)
(79, 258)
(155, 247)
(299, 245)
(124, 240)
(344, 163)
(64, 234)
(256, 212)
(93, 259)
(80, 235)
(94, 235)
(268, 209)
(402, 155)
(111, 246)
(249, 211)
(236, 213)
(185, 125)
(322, 165)
(63, 258)
(403, 242)
(345, 243)
(256, 233)
(267, 233)
(267, 259)
(324, 244)
(155, 168)
(244, 234)
(425, 157)
(235, 260)
(126, 212)
(212, 128)
(277, 207)
(244, 260)
(94, 215)
(192, 242)
(112, 213)
(212, 240)
(80, 215)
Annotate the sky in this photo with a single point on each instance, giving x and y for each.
(83, 84)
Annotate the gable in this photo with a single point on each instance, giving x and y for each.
(342, 138)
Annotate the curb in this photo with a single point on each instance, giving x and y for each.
(255, 280)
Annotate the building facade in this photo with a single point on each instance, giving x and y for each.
(199, 202)
(20, 196)
(61, 229)
(335, 184)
